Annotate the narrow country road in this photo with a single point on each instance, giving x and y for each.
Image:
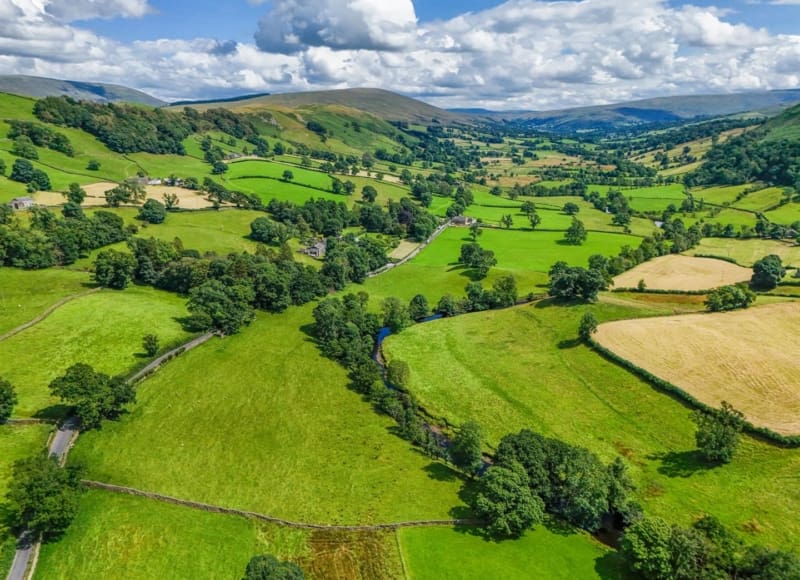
(27, 544)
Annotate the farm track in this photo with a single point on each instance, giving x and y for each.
(47, 313)
(275, 520)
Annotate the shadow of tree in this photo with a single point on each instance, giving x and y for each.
(441, 472)
(681, 463)
(53, 412)
(570, 343)
(612, 566)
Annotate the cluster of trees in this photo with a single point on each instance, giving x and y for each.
(533, 475)
(35, 179)
(575, 282)
(268, 567)
(51, 241)
(351, 259)
(478, 258)
(749, 158)
(767, 273)
(730, 298)
(40, 136)
(93, 395)
(660, 551)
(223, 291)
(576, 188)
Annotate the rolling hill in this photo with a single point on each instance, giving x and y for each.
(30, 86)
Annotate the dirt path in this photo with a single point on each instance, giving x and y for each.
(274, 520)
(47, 313)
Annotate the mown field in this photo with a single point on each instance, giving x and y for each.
(261, 421)
(16, 442)
(104, 330)
(675, 272)
(714, 358)
(24, 295)
(542, 378)
(747, 252)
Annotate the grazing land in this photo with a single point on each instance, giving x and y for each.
(747, 252)
(714, 358)
(104, 330)
(542, 378)
(683, 273)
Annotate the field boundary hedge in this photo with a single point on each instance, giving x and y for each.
(660, 291)
(272, 519)
(672, 389)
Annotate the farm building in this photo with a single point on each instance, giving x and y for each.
(19, 203)
(463, 221)
(317, 250)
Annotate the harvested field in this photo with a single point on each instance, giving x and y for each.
(748, 358)
(683, 273)
(95, 196)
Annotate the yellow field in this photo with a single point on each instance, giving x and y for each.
(748, 358)
(95, 196)
(684, 273)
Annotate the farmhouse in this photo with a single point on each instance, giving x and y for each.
(463, 221)
(20, 203)
(317, 250)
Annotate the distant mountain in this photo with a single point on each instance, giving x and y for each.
(649, 111)
(39, 87)
(383, 104)
(236, 99)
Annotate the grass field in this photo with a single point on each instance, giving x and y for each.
(104, 330)
(786, 214)
(16, 442)
(25, 294)
(675, 272)
(718, 195)
(761, 200)
(747, 252)
(732, 216)
(261, 421)
(435, 553)
(540, 377)
(714, 358)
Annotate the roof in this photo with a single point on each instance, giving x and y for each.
(25, 199)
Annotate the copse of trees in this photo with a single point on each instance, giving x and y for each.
(35, 179)
(268, 567)
(476, 257)
(41, 136)
(575, 282)
(505, 501)
(114, 269)
(730, 298)
(95, 396)
(767, 273)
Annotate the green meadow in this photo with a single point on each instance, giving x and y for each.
(104, 330)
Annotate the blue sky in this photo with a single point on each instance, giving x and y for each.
(519, 54)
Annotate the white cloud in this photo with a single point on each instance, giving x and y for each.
(71, 10)
(521, 54)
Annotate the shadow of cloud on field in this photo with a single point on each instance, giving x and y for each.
(681, 463)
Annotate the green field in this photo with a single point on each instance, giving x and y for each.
(761, 200)
(719, 195)
(25, 294)
(541, 378)
(786, 214)
(261, 421)
(434, 553)
(16, 442)
(746, 252)
(104, 330)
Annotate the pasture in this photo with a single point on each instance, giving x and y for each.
(675, 272)
(721, 195)
(542, 378)
(261, 421)
(714, 358)
(462, 554)
(761, 200)
(25, 294)
(747, 252)
(786, 214)
(103, 329)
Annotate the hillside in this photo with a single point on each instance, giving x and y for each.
(657, 110)
(30, 86)
(383, 104)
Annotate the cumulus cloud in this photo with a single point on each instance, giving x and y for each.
(71, 10)
(294, 25)
(522, 54)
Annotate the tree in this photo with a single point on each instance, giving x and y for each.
(571, 282)
(150, 343)
(418, 308)
(528, 208)
(270, 568)
(587, 327)
(75, 193)
(507, 221)
(571, 208)
(717, 434)
(219, 306)
(42, 496)
(475, 231)
(349, 187)
(369, 194)
(395, 314)
(336, 186)
(447, 306)
(153, 211)
(729, 298)
(398, 373)
(466, 448)
(474, 256)
(24, 147)
(95, 396)
(8, 398)
(219, 167)
(767, 273)
(114, 269)
(535, 219)
(171, 201)
(576, 233)
(288, 175)
(124, 193)
(93, 165)
(646, 547)
(505, 501)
